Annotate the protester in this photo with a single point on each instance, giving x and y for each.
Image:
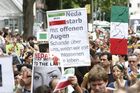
(94, 61)
(98, 80)
(28, 58)
(133, 70)
(123, 60)
(24, 79)
(106, 62)
(118, 74)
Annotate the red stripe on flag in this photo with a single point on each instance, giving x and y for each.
(62, 85)
(118, 46)
(60, 22)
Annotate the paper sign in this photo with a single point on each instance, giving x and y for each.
(68, 36)
(45, 59)
(6, 75)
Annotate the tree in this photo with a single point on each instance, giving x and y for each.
(28, 18)
(105, 6)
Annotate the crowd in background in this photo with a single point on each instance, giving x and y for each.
(107, 74)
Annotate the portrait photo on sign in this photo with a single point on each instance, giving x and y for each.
(0, 75)
(42, 77)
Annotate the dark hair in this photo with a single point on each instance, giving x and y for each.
(109, 55)
(125, 57)
(31, 38)
(120, 66)
(42, 89)
(28, 54)
(21, 65)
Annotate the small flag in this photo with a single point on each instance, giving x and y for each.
(119, 30)
(59, 22)
(64, 79)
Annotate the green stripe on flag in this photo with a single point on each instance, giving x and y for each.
(42, 36)
(119, 14)
(56, 14)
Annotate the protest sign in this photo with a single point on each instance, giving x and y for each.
(119, 30)
(6, 75)
(42, 36)
(45, 59)
(68, 37)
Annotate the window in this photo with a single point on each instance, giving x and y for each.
(130, 5)
(138, 5)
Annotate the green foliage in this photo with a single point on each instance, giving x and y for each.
(105, 5)
(71, 4)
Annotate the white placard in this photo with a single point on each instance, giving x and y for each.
(68, 36)
(7, 84)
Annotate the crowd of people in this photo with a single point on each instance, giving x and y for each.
(107, 74)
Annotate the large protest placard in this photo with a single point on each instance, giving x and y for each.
(119, 30)
(68, 38)
(6, 75)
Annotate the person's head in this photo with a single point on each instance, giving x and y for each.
(105, 59)
(25, 74)
(133, 60)
(53, 83)
(43, 75)
(28, 58)
(118, 71)
(123, 57)
(95, 59)
(92, 44)
(98, 79)
(27, 77)
(43, 89)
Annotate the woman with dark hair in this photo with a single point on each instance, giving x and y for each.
(118, 71)
(28, 58)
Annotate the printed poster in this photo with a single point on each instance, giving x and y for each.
(45, 59)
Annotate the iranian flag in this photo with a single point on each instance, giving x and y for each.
(119, 30)
(56, 16)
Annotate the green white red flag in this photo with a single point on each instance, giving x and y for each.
(119, 30)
